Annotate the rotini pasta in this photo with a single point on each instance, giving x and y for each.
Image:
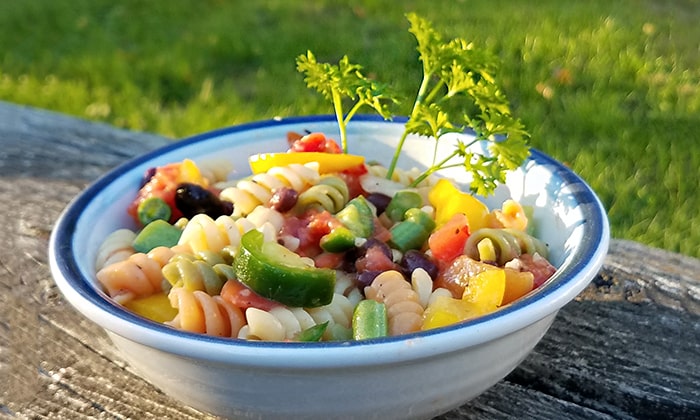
(502, 245)
(284, 323)
(202, 233)
(137, 276)
(339, 311)
(511, 216)
(277, 324)
(251, 192)
(422, 284)
(116, 247)
(404, 311)
(345, 285)
(194, 273)
(330, 193)
(201, 313)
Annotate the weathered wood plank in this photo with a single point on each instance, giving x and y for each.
(628, 347)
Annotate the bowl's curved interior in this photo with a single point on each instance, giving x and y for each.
(568, 217)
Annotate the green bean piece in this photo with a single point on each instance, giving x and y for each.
(369, 320)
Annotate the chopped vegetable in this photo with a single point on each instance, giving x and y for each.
(401, 202)
(369, 320)
(338, 240)
(447, 242)
(279, 274)
(486, 289)
(155, 307)
(413, 231)
(155, 234)
(448, 200)
(327, 162)
(153, 208)
(358, 217)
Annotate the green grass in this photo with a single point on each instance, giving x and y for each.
(610, 88)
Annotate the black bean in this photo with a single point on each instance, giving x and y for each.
(380, 201)
(192, 199)
(284, 199)
(413, 259)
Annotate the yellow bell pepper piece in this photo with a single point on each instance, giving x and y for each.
(189, 172)
(155, 307)
(446, 310)
(486, 289)
(448, 200)
(327, 162)
(483, 294)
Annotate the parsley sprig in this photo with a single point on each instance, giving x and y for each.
(458, 91)
(335, 82)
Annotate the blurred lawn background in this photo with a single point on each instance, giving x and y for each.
(612, 88)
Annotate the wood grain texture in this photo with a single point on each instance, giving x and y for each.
(627, 347)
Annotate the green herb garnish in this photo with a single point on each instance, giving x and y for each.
(458, 91)
(344, 80)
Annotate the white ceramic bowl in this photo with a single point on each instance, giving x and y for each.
(414, 376)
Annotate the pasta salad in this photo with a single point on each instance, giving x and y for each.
(316, 245)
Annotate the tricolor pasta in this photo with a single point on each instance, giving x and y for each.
(290, 252)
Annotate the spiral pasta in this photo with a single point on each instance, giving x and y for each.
(277, 324)
(202, 233)
(339, 311)
(511, 215)
(345, 285)
(201, 313)
(194, 273)
(284, 323)
(258, 189)
(137, 276)
(502, 245)
(330, 193)
(404, 310)
(116, 247)
(422, 284)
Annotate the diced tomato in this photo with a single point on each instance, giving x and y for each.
(352, 179)
(375, 260)
(381, 232)
(239, 295)
(447, 242)
(541, 269)
(309, 228)
(329, 260)
(314, 142)
(455, 276)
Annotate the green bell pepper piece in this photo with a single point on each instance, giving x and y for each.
(277, 273)
(401, 202)
(358, 217)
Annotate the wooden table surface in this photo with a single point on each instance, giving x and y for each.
(627, 347)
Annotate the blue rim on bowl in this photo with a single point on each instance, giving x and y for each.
(77, 284)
